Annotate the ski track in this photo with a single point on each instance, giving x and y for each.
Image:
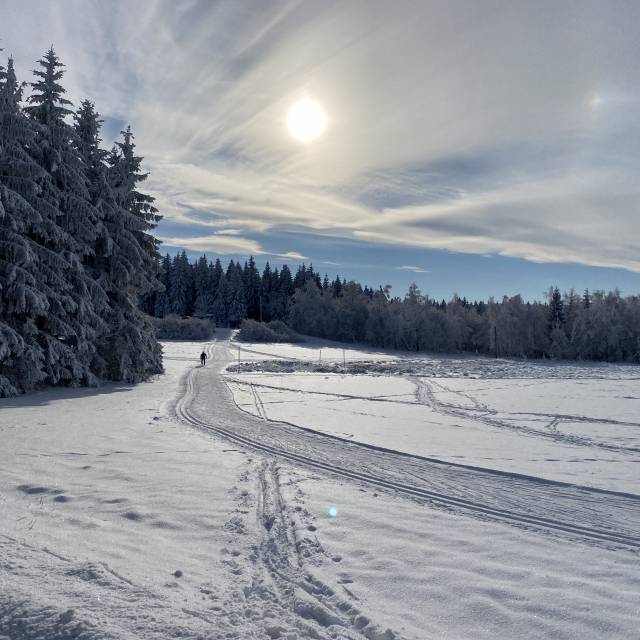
(275, 584)
(481, 413)
(278, 579)
(273, 589)
(597, 516)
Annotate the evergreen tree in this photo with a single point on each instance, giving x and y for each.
(556, 317)
(76, 252)
(121, 261)
(252, 292)
(162, 305)
(235, 295)
(266, 284)
(216, 275)
(70, 226)
(204, 293)
(135, 208)
(181, 285)
(220, 307)
(24, 292)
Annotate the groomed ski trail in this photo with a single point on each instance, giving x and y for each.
(598, 516)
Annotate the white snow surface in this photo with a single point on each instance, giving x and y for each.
(164, 511)
(575, 423)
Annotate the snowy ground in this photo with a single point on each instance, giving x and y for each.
(522, 418)
(164, 511)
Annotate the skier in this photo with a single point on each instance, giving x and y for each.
(203, 358)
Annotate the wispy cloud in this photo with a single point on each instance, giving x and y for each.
(216, 244)
(478, 129)
(292, 255)
(407, 267)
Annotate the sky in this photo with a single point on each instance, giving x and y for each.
(481, 147)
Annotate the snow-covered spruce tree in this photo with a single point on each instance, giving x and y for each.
(77, 302)
(23, 294)
(127, 263)
(48, 300)
(75, 247)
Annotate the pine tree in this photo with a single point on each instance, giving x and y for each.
(220, 308)
(162, 305)
(76, 253)
(204, 295)
(124, 177)
(65, 236)
(131, 262)
(251, 279)
(266, 284)
(235, 295)
(24, 295)
(556, 308)
(216, 275)
(181, 285)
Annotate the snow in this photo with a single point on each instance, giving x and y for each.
(122, 496)
(570, 423)
(122, 521)
(447, 576)
(311, 350)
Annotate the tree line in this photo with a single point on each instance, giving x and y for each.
(588, 326)
(76, 243)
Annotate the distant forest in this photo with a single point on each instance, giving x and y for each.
(587, 326)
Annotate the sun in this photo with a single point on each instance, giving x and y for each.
(306, 120)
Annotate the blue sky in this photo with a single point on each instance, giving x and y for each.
(483, 148)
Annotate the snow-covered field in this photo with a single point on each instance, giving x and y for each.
(565, 422)
(165, 511)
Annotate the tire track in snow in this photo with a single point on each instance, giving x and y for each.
(603, 517)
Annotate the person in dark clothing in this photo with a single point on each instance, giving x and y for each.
(203, 358)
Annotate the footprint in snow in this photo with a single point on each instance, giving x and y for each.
(32, 490)
(134, 516)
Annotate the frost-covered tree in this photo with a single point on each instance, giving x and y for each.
(133, 266)
(75, 248)
(561, 327)
(75, 319)
(63, 321)
(23, 294)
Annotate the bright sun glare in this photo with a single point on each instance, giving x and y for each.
(306, 120)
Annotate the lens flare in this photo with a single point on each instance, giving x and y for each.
(333, 512)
